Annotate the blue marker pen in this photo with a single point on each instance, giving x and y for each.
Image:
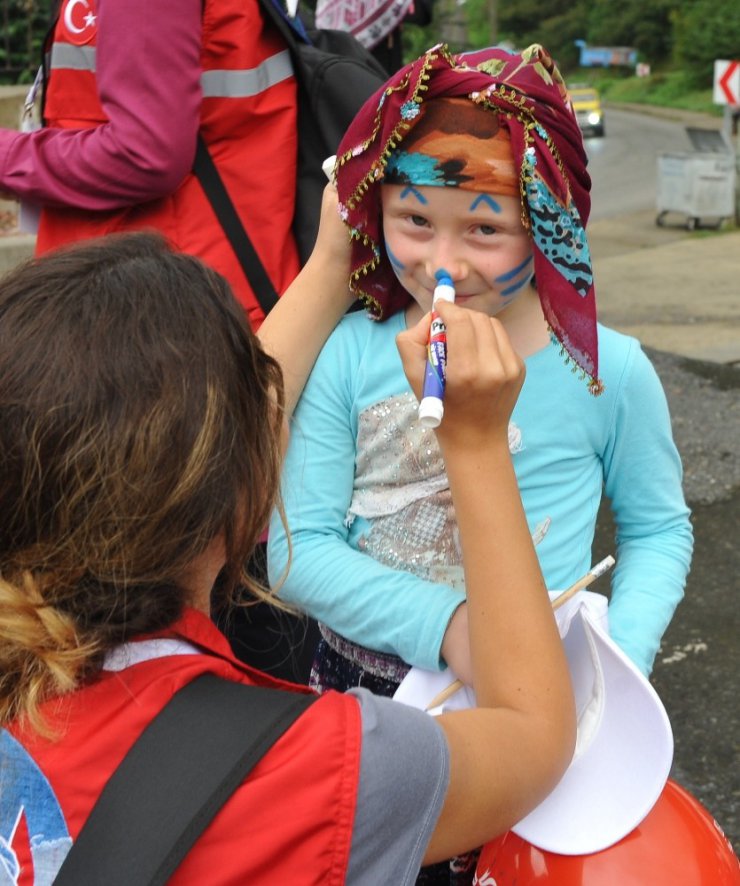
(431, 408)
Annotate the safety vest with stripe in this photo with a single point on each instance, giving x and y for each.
(290, 822)
(248, 121)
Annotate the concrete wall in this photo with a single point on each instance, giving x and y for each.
(11, 104)
(14, 247)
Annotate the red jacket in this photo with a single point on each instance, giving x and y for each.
(289, 822)
(248, 120)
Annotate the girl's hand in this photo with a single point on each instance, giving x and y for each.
(296, 328)
(333, 240)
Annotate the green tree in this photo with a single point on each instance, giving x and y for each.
(645, 26)
(23, 27)
(705, 31)
(519, 23)
(556, 25)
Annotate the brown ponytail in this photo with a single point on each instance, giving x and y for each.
(139, 420)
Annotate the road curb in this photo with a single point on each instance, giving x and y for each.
(679, 297)
(680, 115)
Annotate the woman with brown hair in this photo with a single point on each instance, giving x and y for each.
(141, 437)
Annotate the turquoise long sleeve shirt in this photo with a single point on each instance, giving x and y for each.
(375, 553)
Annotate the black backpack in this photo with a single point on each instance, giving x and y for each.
(335, 75)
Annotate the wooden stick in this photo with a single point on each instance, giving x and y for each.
(444, 694)
(583, 582)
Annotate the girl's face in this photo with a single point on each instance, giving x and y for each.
(477, 238)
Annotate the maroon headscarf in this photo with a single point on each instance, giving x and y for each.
(528, 95)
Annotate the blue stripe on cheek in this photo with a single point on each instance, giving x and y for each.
(509, 275)
(395, 263)
(511, 290)
(485, 198)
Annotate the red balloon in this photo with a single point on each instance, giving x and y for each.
(677, 844)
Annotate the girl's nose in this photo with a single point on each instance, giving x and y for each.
(446, 257)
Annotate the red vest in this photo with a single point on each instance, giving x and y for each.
(252, 140)
(289, 822)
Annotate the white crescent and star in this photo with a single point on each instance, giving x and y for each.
(89, 18)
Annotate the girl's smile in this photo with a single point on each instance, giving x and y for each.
(478, 238)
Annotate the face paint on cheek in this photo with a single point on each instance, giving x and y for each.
(521, 276)
(396, 264)
(517, 287)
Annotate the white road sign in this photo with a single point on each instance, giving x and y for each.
(726, 82)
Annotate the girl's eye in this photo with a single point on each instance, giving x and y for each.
(487, 230)
(418, 220)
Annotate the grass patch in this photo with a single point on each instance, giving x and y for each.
(667, 89)
(728, 227)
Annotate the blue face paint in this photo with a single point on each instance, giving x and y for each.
(396, 264)
(512, 290)
(509, 275)
(512, 274)
(414, 192)
(488, 200)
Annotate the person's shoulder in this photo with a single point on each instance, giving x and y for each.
(552, 369)
(357, 334)
(618, 354)
(614, 344)
(334, 713)
(404, 779)
(359, 323)
(625, 368)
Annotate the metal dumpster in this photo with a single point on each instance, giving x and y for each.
(699, 185)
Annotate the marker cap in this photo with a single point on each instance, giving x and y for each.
(328, 165)
(431, 410)
(443, 292)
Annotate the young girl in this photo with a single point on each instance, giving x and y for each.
(473, 165)
(141, 429)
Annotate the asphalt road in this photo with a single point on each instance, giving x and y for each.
(696, 670)
(623, 165)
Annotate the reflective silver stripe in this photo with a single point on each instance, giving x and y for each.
(215, 84)
(242, 84)
(72, 58)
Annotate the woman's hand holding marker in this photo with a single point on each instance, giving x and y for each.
(483, 373)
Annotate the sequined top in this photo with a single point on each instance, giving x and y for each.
(376, 554)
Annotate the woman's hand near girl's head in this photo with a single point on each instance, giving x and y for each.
(297, 327)
(332, 241)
